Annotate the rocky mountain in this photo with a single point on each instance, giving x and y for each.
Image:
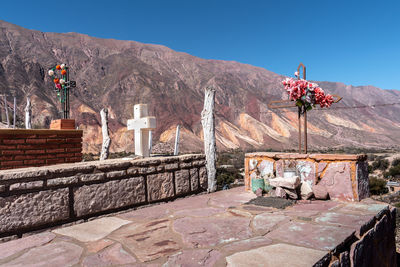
(118, 74)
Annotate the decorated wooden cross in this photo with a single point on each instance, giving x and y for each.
(303, 95)
(62, 85)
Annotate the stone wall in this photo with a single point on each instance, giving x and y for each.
(373, 244)
(37, 198)
(21, 148)
(345, 177)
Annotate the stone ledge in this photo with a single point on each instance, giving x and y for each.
(39, 131)
(317, 157)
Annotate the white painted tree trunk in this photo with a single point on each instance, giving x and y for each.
(14, 112)
(106, 138)
(28, 114)
(207, 120)
(6, 108)
(176, 149)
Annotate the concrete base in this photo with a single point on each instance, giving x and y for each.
(62, 124)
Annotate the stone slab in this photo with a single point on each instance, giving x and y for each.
(111, 256)
(201, 212)
(320, 237)
(90, 199)
(277, 255)
(266, 168)
(265, 222)
(15, 246)
(246, 244)
(211, 231)
(225, 199)
(337, 181)
(93, 230)
(198, 257)
(33, 209)
(349, 220)
(54, 254)
(290, 183)
(149, 241)
(306, 171)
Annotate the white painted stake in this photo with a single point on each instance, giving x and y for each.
(207, 120)
(6, 108)
(15, 111)
(176, 150)
(28, 114)
(106, 138)
(150, 141)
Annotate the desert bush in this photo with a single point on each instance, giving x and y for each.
(380, 164)
(393, 171)
(226, 176)
(396, 162)
(377, 186)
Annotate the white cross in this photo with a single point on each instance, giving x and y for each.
(142, 124)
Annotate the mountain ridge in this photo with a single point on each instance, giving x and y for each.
(118, 74)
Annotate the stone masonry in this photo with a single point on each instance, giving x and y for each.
(345, 177)
(41, 197)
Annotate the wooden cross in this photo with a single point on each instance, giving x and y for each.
(301, 110)
(142, 124)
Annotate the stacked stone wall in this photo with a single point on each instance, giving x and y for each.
(41, 197)
(26, 148)
(373, 244)
(345, 177)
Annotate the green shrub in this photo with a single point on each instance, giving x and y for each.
(396, 162)
(377, 186)
(370, 170)
(226, 176)
(393, 171)
(380, 164)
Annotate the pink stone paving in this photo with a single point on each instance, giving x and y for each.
(215, 229)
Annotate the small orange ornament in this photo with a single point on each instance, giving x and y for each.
(56, 80)
(58, 67)
(63, 72)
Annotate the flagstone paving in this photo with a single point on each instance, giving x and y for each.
(206, 230)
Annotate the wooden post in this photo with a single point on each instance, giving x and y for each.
(6, 108)
(15, 111)
(176, 150)
(106, 138)
(299, 118)
(207, 120)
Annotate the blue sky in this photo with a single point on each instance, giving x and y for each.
(354, 42)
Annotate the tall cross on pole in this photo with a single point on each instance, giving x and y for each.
(301, 109)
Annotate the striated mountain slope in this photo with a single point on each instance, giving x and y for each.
(118, 74)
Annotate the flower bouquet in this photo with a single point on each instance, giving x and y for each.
(306, 94)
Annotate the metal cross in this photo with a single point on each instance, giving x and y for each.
(301, 110)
